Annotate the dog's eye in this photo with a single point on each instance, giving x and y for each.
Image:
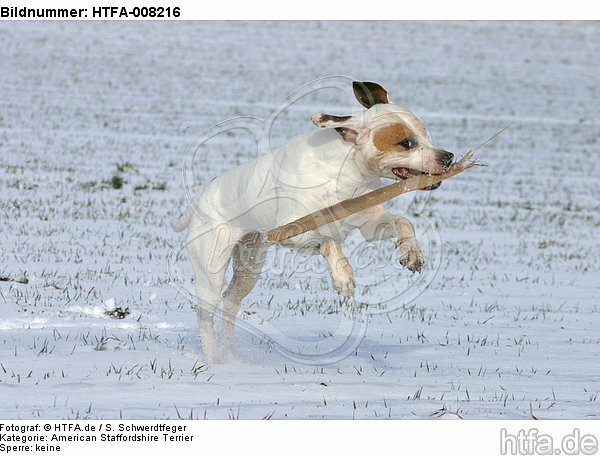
(407, 143)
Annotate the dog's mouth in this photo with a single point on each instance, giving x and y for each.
(405, 173)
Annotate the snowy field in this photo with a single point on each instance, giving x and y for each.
(95, 119)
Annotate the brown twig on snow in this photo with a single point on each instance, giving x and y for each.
(531, 412)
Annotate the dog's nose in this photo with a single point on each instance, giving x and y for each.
(445, 157)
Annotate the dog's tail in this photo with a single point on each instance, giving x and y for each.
(183, 221)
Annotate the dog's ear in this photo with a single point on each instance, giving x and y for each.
(369, 93)
(329, 121)
(348, 134)
(349, 129)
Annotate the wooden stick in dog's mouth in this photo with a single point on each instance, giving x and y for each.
(351, 206)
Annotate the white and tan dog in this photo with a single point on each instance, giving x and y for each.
(346, 157)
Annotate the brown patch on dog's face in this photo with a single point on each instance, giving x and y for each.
(402, 153)
(392, 138)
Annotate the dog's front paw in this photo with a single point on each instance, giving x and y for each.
(345, 286)
(411, 255)
(342, 278)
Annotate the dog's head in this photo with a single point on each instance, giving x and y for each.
(390, 140)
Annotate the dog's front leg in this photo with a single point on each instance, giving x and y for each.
(382, 225)
(342, 275)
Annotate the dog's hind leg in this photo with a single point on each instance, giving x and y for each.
(210, 252)
(248, 258)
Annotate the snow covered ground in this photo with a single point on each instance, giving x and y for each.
(95, 119)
